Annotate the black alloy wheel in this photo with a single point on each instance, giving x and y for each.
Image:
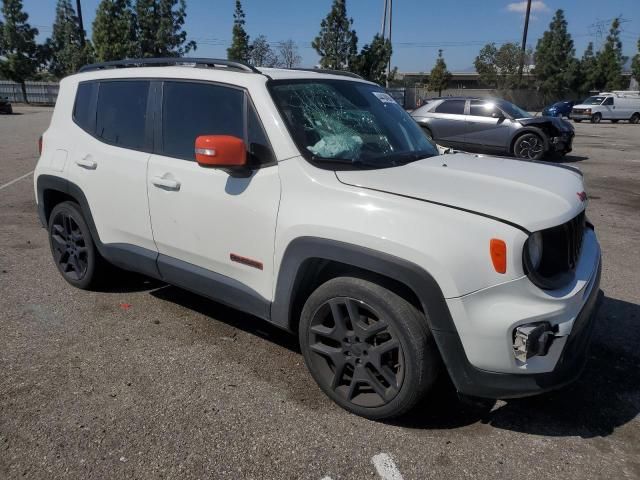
(369, 350)
(356, 352)
(72, 247)
(529, 146)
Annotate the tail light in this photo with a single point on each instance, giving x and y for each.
(40, 145)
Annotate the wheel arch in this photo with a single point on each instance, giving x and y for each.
(522, 131)
(310, 261)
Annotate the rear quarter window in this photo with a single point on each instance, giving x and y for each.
(84, 109)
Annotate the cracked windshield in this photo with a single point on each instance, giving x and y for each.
(350, 122)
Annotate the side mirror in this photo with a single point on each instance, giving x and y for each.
(220, 151)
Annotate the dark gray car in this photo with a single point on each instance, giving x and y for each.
(492, 125)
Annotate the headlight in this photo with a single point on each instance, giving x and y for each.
(534, 250)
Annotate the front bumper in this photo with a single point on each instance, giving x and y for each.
(479, 355)
(562, 144)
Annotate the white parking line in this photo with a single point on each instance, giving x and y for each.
(15, 180)
(385, 467)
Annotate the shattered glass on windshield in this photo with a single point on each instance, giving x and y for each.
(349, 121)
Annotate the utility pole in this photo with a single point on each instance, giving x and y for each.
(390, 23)
(80, 23)
(524, 39)
(383, 28)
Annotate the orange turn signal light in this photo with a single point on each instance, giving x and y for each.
(498, 250)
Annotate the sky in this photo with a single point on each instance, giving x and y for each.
(420, 27)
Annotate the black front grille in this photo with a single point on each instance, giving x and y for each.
(561, 248)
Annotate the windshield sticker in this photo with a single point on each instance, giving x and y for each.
(384, 97)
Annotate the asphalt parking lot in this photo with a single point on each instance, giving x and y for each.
(148, 381)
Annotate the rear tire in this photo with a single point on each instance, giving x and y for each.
(428, 133)
(368, 349)
(596, 117)
(72, 247)
(635, 118)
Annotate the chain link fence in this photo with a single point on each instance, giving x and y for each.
(42, 93)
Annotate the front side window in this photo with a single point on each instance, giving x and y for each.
(191, 109)
(484, 109)
(348, 122)
(512, 110)
(455, 107)
(594, 101)
(121, 113)
(608, 101)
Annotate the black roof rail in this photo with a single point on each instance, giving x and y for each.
(343, 73)
(169, 61)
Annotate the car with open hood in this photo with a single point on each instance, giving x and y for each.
(313, 201)
(495, 126)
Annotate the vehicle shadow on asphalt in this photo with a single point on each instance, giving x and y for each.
(227, 315)
(605, 397)
(572, 159)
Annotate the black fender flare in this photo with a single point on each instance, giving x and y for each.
(302, 249)
(128, 257)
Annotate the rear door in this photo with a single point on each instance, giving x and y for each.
(209, 223)
(487, 126)
(109, 162)
(448, 122)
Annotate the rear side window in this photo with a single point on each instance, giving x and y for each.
(122, 112)
(84, 110)
(451, 106)
(193, 109)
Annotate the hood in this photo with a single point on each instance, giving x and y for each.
(557, 122)
(584, 105)
(531, 195)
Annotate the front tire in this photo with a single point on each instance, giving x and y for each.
(529, 146)
(368, 349)
(72, 246)
(596, 117)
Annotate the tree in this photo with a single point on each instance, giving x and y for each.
(554, 58)
(498, 67)
(18, 45)
(288, 56)
(240, 48)
(261, 54)
(635, 64)
(337, 42)
(114, 30)
(485, 64)
(372, 61)
(439, 76)
(610, 59)
(589, 72)
(159, 29)
(67, 46)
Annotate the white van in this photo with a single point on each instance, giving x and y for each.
(614, 106)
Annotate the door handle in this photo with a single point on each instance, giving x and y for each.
(166, 183)
(87, 162)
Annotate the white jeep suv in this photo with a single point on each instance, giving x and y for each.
(312, 200)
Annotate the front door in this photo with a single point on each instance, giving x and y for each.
(487, 126)
(208, 222)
